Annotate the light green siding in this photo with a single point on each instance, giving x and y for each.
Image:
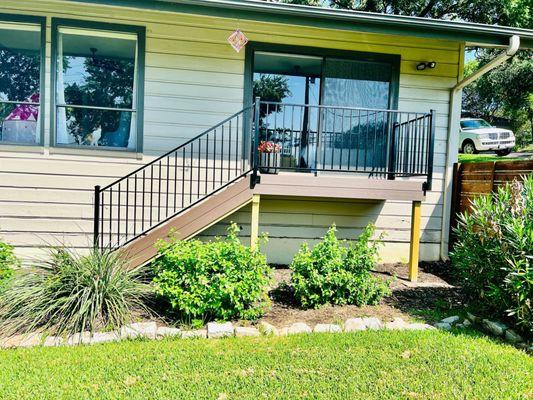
(194, 79)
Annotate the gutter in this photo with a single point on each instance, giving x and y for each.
(329, 18)
(514, 45)
(453, 138)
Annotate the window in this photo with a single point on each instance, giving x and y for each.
(20, 81)
(97, 88)
(470, 124)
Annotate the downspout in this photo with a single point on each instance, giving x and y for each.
(453, 136)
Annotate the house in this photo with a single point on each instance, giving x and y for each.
(146, 121)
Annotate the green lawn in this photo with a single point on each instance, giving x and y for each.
(483, 157)
(369, 365)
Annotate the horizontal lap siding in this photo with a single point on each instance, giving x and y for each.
(194, 80)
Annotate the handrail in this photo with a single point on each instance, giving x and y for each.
(207, 131)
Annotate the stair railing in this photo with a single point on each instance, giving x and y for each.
(172, 183)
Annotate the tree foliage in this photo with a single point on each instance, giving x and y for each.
(272, 88)
(506, 92)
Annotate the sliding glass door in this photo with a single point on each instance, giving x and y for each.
(356, 139)
(336, 136)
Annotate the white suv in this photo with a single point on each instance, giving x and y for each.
(478, 135)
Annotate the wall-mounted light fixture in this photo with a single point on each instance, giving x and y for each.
(428, 64)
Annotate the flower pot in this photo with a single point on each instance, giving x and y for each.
(269, 163)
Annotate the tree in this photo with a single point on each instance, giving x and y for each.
(19, 77)
(501, 12)
(108, 83)
(273, 88)
(505, 92)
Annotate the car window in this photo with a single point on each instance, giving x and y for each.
(474, 124)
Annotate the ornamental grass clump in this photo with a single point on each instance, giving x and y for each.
(334, 273)
(493, 252)
(69, 293)
(222, 279)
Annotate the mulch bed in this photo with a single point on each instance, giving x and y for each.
(408, 300)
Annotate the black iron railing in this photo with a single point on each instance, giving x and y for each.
(173, 182)
(371, 142)
(376, 143)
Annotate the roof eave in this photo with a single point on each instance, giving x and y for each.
(479, 34)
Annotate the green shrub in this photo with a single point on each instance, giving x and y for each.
(222, 279)
(7, 262)
(69, 293)
(493, 252)
(334, 273)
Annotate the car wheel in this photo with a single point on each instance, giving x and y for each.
(469, 148)
(503, 153)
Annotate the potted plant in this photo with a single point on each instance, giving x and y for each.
(269, 157)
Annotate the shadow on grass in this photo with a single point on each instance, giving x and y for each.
(430, 304)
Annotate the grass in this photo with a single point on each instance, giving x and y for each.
(369, 365)
(526, 149)
(485, 157)
(469, 158)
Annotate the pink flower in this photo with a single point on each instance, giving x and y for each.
(269, 147)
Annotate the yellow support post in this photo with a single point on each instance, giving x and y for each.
(254, 224)
(414, 247)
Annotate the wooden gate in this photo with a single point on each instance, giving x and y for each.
(471, 180)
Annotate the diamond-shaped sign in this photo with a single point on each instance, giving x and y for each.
(237, 40)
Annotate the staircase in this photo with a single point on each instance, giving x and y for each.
(131, 211)
(200, 182)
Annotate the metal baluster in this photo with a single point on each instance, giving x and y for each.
(102, 204)
(144, 193)
(159, 194)
(183, 179)
(341, 134)
(199, 166)
(175, 180)
(168, 183)
(190, 172)
(127, 206)
(214, 157)
(229, 151)
(118, 216)
(135, 206)
(206, 160)
(222, 156)
(375, 141)
(236, 171)
(110, 216)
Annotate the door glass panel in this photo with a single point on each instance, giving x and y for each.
(356, 139)
(292, 80)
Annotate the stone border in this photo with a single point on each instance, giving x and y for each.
(150, 330)
(493, 328)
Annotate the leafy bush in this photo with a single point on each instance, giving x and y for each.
(222, 279)
(7, 262)
(334, 273)
(494, 249)
(69, 293)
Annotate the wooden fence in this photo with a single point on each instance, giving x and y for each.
(471, 180)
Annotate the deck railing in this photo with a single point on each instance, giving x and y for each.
(375, 143)
(372, 142)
